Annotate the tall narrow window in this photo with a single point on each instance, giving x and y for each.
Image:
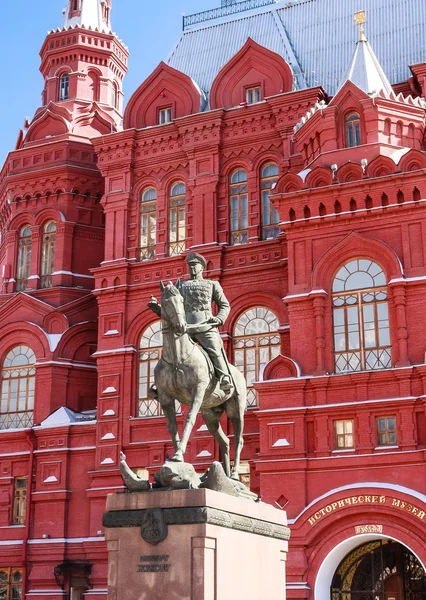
(256, 342)
(24, 258)
(270, 217)
(64, 87)
(10, 583)
(253, 95)
(239, 207)
(361, 318)
(148, 226)
(149, 354)
(177, 227)
(19, 501)
(48, 254)
(353, 130)
(17, 389)
(165, 115)
(113, 91)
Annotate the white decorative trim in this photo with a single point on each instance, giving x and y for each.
(65, 364)
(67, 449)
(101, 489)
(66, 540)
(43, 593)
(115, 351)
(339, 404)
(73, 274)
(306, 295)
(10, 542)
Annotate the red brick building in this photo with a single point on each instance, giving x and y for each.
(308, 204)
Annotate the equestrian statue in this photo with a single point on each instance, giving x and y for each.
(194, 368)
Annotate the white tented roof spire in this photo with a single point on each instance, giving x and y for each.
(94, 14)
(364, 69)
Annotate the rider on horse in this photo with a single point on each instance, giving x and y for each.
(198, 294)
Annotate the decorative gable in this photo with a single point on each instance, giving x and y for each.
(166, 88)
(253, 66)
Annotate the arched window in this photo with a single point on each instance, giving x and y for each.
(148, 223)
(361, 318)
(238, 201)
(256, 342)
(177, 228)
(93, 80)
(353, 130)
(270, 217)
(24, 258)
(48, 254)
(149, 354)
(64, 87)
(17, 388)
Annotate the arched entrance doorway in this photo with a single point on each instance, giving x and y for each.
(379, 570)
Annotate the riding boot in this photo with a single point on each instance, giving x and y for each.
(221, 371)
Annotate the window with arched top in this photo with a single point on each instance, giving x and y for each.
(48, 254)
(256, 341)
(148, 224)
(93, 80)
(353, 130)
(24, 258)
(150, 348)
(238, 200)
(270, 217)
(64, 87)
(177, 219)
(17, 388)
(361, 318)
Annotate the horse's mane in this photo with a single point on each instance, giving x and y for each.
(170, 290)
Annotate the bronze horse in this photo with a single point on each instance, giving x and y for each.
(184, 373)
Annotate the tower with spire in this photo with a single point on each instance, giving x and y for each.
(83, 64)
(364, 117)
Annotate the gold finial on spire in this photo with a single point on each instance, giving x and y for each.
(360, 19)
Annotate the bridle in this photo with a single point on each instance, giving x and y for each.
(171, 327)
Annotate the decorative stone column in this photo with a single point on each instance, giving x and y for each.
(319, 312)
(399, 298)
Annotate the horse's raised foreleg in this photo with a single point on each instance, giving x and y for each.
(169, 410)
(196, 402)
(211, 418)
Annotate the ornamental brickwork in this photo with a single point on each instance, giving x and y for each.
(310, 212)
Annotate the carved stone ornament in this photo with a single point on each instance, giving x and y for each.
(195, 515)
(154, 527)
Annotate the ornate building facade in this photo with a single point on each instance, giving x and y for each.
(306, 198)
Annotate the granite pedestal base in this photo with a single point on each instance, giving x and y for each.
(194, 545)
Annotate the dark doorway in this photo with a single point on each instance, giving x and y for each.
(379, 570)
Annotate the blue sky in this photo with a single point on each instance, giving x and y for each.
(149, 28)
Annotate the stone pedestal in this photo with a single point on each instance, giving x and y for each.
(194, 545)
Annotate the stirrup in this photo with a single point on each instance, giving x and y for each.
(226, 383)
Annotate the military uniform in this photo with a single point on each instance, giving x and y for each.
(198, 296)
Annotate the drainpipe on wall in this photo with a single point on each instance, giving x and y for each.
(31, 443)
